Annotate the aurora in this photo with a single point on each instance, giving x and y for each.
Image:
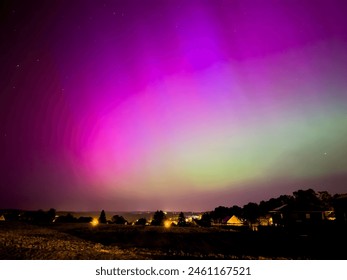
(174, 105)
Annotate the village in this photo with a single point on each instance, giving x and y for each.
(304, 210)
(287, 227)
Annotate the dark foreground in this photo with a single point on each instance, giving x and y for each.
(85, 242)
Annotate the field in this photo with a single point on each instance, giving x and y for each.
(83, 241)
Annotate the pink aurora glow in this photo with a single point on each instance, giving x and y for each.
(177, 105)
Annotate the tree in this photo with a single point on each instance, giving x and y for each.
(251, 211)
(205, 220)
(326, 199)
(40, 216)
(307, 200)
(68, 218)
(181, 220)
(141, 222)
(219, 213)
(51, 214)
(158, 218)
(102, 218)
(84, 220)
(236, 210)
(119, 220)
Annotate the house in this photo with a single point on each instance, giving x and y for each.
(279, 215)
(266, 221)
(233, 221)
(340, 207)
(285, 215)
(262, 221)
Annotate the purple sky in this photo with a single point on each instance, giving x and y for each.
(173, 105)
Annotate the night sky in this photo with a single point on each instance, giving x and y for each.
(173, 105)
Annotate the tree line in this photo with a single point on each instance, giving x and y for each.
(301, 200)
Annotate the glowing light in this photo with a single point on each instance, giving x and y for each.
(167, 224)
(94, 222)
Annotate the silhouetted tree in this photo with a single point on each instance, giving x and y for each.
(51, 214)
(158, 218)
(182, 220)
(236, 210)
(12, 215)
(102, 218)
(84, 219)
(251, 211)
(119, 220)
(205, 220)
(219, 213)
(326, 199)
(68, 218)
(39, 217)
(307, 200)
(141, 222)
